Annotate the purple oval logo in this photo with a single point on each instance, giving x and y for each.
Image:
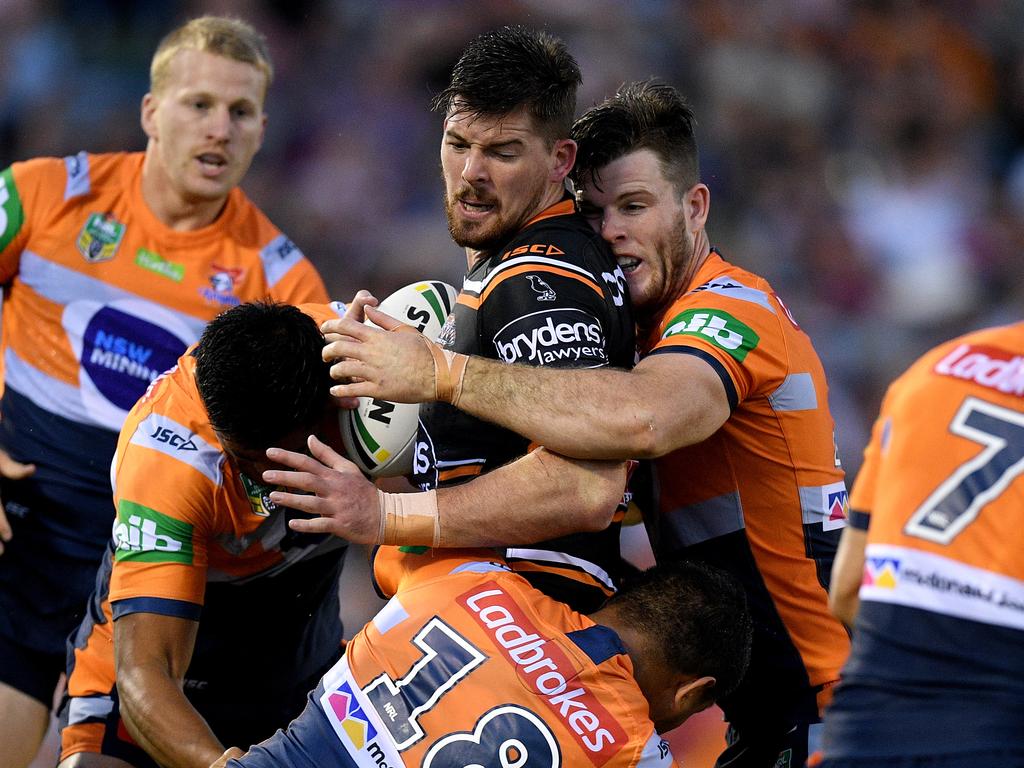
(123, 353)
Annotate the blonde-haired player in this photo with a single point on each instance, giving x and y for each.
(112, 264)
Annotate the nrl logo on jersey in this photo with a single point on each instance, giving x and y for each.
(100, 238)
(259, 496)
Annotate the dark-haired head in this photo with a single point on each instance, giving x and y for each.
(260, 374)
(641, 115)
(692, 628)
(513, 67)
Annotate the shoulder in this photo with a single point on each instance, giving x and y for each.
(565, 237)
(169, 426)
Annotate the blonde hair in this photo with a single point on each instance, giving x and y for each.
(231, 38)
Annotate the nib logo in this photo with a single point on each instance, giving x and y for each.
(145, 535)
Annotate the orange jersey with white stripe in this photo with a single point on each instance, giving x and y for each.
(101, 297)
(469, 665)
(188, 520)
(764, 497)
(941, 618)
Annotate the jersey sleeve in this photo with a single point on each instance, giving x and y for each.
(397, 569)
(20, 187)
(862, 495)
(737, 332)
(291, 277)
(166, 478)
(545, 309)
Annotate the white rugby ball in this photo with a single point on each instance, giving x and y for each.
(379, 435)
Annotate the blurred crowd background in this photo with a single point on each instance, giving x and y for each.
(867, 157)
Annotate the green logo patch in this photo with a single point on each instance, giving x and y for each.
(721, 328)
(99, 237)
(259, 496)
(154, 262)
(12, 216)
(144, 535)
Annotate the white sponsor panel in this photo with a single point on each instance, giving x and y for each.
(179, 442)
(905, 576)
(355, 721)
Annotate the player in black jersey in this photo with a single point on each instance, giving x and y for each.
(542, 288)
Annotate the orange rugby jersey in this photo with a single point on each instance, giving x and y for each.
(187, 519)
(470, 665)
(100, 298)
(764, 497)
(941, 618)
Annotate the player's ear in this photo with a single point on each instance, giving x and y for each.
(563, 155)
(695, 695)
(147, 115)
(697, 204)
(263, 130)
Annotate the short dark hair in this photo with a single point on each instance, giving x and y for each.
(511, 67)
(260, 372)
(642, 115)
(696, 615)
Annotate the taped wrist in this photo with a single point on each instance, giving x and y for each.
(409, 519)
(449, 369)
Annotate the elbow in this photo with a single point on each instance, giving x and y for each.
(599, 497)
(651, 437)
(645, 438)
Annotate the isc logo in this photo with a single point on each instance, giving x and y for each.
(173, 439)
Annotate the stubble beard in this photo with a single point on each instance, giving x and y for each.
(678, 271)
(492, 236)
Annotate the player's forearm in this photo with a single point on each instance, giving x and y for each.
(847, 574)
(589, 414)
(163, 722)
(539, 496)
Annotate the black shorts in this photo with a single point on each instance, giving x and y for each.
(784, 748)
(993, 759)
(43, 596)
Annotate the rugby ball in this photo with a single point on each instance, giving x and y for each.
(380, 436)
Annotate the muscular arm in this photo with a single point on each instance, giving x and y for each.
(847, 572)
(152, 653)
(538, 496)
(667, 401)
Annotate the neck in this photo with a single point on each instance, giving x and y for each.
(168, 206)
